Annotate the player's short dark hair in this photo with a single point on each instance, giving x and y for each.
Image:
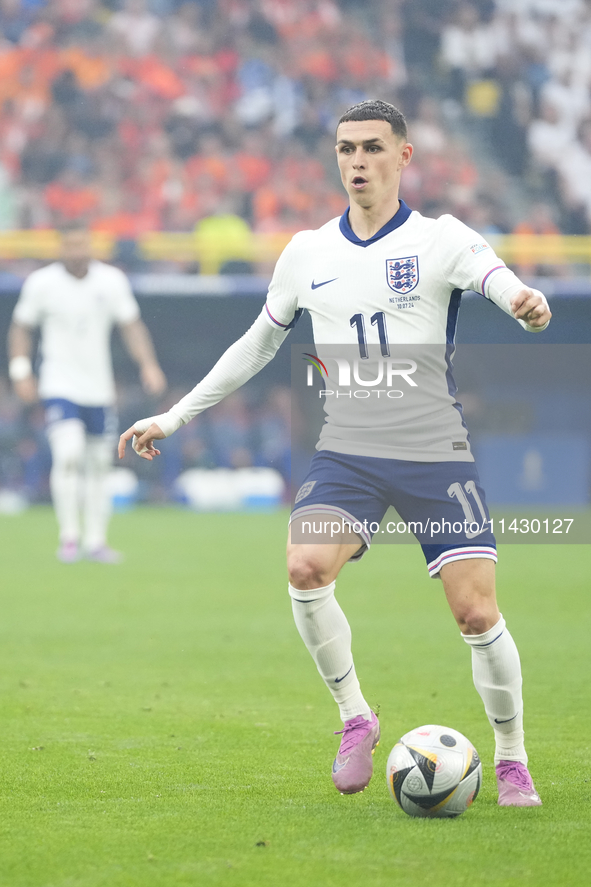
(376, 109)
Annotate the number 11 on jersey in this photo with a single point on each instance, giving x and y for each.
(378, 319)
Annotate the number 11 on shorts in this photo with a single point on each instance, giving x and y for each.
(456, 491)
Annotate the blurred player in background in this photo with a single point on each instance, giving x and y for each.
(75, 302)
(354, 275)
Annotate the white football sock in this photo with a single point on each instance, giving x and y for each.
(326, 633)
(67, 443)
(97, 503)
(497, 677)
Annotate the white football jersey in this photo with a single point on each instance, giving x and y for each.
(76, 317)
(396, 296)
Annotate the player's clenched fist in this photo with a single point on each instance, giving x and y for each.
(531, 306)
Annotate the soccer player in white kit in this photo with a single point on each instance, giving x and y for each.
(75, 302)
(384, 276)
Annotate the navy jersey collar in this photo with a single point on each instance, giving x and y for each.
(396, 221)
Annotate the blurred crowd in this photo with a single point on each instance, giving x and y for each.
(142, 115)
(147, 115)
(522, 68)
(251, 428)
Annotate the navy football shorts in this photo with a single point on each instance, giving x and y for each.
(96, 420)
(442, 503)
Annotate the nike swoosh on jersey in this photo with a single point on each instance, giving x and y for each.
(323, 283)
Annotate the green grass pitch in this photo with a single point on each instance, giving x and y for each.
(162, 724)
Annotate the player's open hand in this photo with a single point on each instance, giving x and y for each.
(143, 440)
(531, 306)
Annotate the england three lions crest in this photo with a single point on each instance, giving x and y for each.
(402, 274)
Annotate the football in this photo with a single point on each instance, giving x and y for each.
(434, 772)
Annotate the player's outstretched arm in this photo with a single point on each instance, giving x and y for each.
(235, 367)
(530, 306)
(469, 262)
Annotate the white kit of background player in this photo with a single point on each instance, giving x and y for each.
(383, 275)
(75, 303)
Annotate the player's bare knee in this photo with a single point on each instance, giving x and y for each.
(307, 570)
(476, 617)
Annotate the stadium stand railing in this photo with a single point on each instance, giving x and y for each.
(563, 251)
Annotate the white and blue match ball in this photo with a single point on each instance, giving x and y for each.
(434, 771)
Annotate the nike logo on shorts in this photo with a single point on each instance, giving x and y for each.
(324, 282)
